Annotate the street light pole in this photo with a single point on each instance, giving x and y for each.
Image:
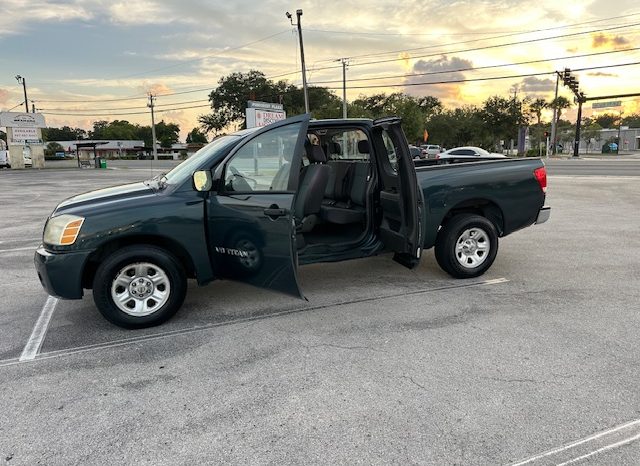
(23, 81)
(304, 69)
(555, 116)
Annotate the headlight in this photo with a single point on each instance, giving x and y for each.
(62, 230)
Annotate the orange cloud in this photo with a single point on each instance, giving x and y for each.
(604, 40)
(4, 96)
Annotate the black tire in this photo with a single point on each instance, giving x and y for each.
(446, 242)
(118, 261)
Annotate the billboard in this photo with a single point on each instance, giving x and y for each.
(21, 136)
(22, 120)
(261, 114)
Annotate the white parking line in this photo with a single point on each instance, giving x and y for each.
(600, 450)
(201, 328)
(32, 347)
(585, 440)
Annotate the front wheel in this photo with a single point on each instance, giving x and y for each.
(139, 286)
(466, 246)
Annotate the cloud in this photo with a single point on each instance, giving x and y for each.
(536, 86)
(18, 14)
(604, 40)
(601, 74)
(439, 69)
(4, 96)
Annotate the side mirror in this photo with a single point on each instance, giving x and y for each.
(202, 180)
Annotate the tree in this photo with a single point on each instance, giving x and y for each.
(590, 131)
(196, 136)
(503, 117)
(607, 120)
(52, 148)
(167, 134)
(560, 103)
(229, 100)
(536, 107)
(66, 133)
(632, 121)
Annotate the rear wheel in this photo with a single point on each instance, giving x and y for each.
(139, 286)
(466, 246)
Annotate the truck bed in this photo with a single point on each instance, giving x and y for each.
(504, 190)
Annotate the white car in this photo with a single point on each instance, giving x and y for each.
(5, 163)
(431, 150)
(469, 152)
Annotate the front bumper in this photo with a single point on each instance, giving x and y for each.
(543, 215)
(61, 273)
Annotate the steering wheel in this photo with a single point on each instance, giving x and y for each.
(240, 182)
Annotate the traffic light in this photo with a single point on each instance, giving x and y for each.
(566, 75)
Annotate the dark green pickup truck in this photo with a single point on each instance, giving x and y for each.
(254, 205)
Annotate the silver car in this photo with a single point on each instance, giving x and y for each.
(469, 152)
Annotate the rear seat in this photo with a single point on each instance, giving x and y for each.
(345, 196)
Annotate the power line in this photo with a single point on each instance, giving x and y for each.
(374, 79)
(529, 62)
(440, 53)
(568, 26)
(454, 81)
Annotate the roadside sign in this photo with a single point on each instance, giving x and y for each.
(263, 113)
(22, 120)
(609, 103)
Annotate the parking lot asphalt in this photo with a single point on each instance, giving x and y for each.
(535, 362)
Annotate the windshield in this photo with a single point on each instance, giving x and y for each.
(184, 171)
(481, 151)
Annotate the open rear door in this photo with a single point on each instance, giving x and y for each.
(400, 198)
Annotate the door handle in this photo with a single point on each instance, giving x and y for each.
(274, 212)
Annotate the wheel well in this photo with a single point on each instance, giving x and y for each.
(108, 248)
(482, 207)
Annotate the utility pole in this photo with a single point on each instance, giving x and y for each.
(33, 107)
(304, 69)
(555, 116)
(572, 83)
(153, 126)
(344, 87)
(619, 127)
(23, 81)
(576, 142)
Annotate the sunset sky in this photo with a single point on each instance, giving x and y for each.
(79, 56)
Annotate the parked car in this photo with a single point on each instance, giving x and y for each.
(431, 150)
(469, 152)
(4, 159)
(416, 152)
(254, 205)
(6, 163)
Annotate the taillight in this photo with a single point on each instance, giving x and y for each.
(541, 175)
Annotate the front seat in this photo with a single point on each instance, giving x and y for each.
(311, 189)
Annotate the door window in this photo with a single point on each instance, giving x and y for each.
(391, 151)
(263, 164)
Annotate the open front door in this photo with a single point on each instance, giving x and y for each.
(250, 220)
(400, 199)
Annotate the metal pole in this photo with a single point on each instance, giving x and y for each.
(304, 69)
(555, 116)
(576, 143)
(344, 88)
(619, 125)
(153, 127)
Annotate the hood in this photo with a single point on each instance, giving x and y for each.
(106, 195)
